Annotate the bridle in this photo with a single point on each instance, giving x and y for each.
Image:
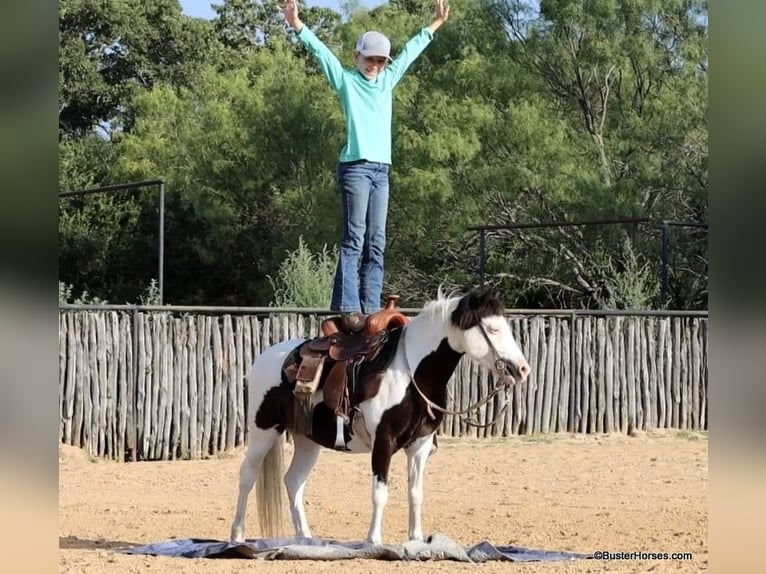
(501, 366)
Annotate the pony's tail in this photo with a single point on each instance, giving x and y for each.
(268, 491)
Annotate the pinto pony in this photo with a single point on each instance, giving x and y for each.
(403, 413)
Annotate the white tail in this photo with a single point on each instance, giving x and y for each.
(268, 490)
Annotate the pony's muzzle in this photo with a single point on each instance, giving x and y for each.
(512, 371)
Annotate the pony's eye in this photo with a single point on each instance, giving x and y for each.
(493, 330)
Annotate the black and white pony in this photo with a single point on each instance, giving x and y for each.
(396, 417)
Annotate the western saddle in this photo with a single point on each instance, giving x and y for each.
(346, 349)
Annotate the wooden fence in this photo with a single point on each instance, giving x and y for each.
(158, 385)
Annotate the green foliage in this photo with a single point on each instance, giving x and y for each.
(105, 246)
(630, 283)
(152, 294)
(65, 293)
(305, 279)
(111, 50)
(518, 112)
(85, 298)
(609, 121)
(85, 162)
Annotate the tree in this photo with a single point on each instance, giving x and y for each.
(110, 50)
(247, 25)
(626, 82)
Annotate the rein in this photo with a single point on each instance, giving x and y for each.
(431, 406)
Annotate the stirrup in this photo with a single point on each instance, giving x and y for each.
(340, 443)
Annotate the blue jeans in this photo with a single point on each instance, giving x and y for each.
(364, 199)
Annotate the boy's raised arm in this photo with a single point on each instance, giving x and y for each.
(415, 46)
(332, 68)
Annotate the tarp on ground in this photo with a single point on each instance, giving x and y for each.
(436, 547)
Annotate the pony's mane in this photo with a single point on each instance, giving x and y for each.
(460, 310)
(441, 307)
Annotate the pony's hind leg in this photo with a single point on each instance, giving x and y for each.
(304, 458)
(260, 443)
(417, 456)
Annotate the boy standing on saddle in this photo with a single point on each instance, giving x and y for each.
(365, 93)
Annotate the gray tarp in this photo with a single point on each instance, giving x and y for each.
(437, 547)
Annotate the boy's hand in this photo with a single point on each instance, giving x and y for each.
(290, 12)
(442, 13)
(442, 10)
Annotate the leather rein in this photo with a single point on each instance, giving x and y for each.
(499, 386)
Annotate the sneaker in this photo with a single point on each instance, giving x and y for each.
(353, 322)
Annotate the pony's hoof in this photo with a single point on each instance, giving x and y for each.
(376, 540)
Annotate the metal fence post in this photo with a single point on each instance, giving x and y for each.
(482, 255)
(161, 248)
(132, 422)
(664, 270)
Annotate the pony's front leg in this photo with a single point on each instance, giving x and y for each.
(417, 456)
(382, 451)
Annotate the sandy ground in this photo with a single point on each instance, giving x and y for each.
(555, 492)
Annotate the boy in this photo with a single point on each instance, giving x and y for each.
(365, 92)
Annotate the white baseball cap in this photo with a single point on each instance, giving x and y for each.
(371, 44)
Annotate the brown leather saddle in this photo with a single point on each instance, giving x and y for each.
(389, 317)
(344, 351)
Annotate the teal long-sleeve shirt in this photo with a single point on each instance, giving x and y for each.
(366, 103)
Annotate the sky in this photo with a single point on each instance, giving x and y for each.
(202, 9)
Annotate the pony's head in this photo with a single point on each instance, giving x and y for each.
(479, 329)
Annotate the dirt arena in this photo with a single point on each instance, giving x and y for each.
(555, 492)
